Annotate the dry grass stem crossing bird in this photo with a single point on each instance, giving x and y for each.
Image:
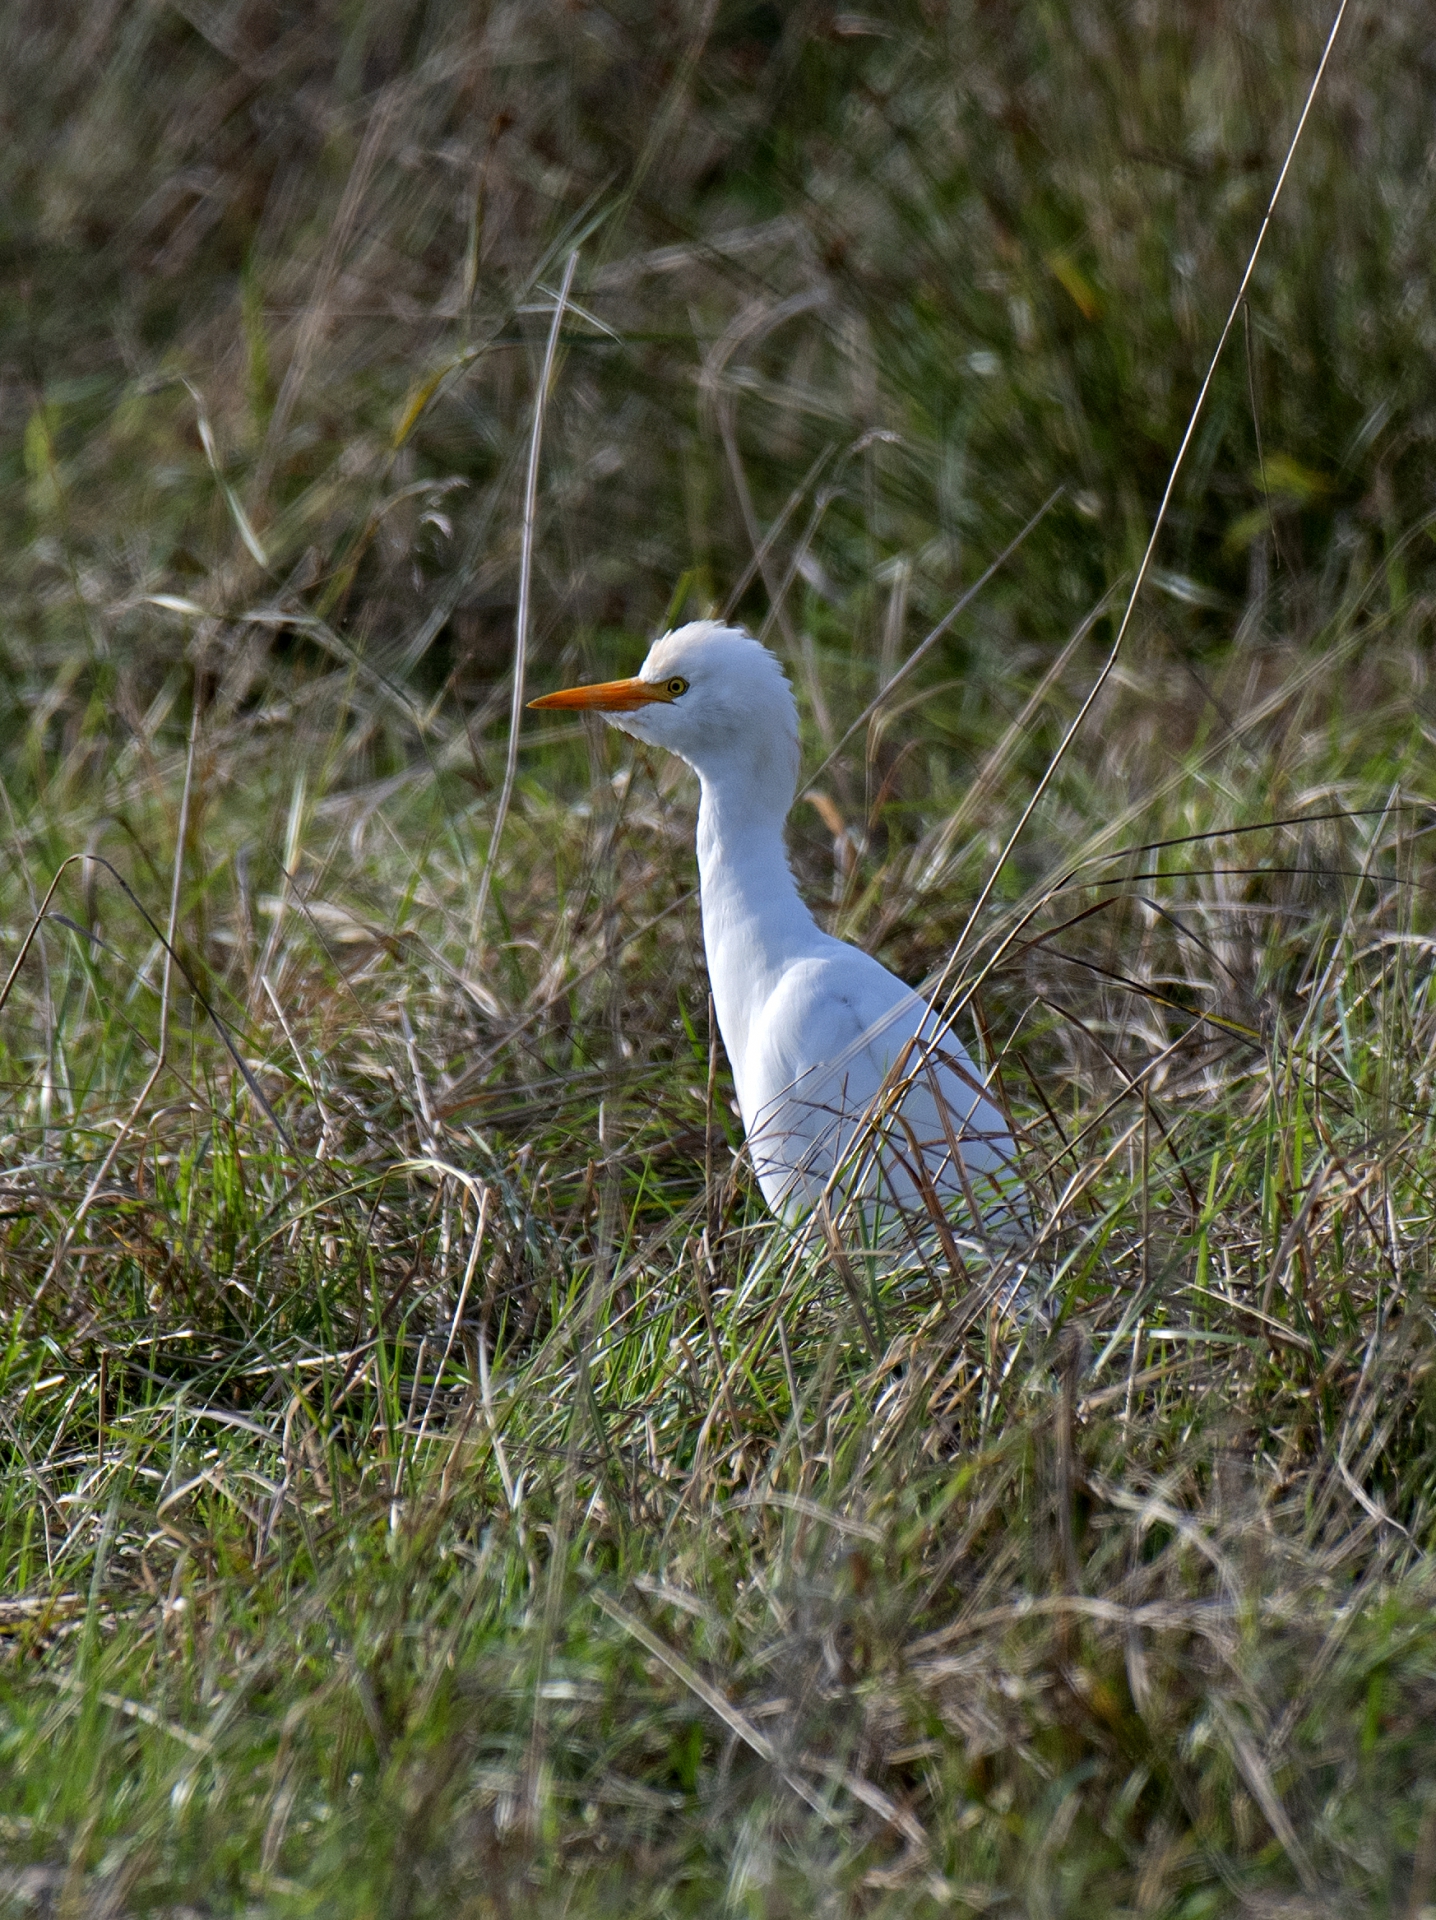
(848, 1082)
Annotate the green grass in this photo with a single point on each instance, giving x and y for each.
(431, 1484)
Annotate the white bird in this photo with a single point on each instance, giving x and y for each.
(839, 1066)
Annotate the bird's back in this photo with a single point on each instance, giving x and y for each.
(846, 1060)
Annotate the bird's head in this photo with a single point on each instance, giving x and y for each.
(713, 695)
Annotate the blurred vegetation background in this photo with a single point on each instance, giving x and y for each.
(961, 254)
(430, 1484)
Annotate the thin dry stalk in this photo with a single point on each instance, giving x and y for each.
(521, 620)
(1050, 772)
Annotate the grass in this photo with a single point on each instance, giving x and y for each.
(431, 1483)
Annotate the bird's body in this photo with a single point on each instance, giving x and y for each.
(837, 1063)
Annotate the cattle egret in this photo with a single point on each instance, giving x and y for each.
(839, 1066)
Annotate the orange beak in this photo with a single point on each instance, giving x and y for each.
(609, 696)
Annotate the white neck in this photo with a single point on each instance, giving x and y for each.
(754, 921)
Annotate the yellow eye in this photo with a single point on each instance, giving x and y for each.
(676, 686)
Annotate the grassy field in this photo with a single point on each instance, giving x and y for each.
(431, 1484)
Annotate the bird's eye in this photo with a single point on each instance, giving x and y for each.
(677, 685)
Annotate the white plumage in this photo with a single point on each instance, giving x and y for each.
(827, 1047)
